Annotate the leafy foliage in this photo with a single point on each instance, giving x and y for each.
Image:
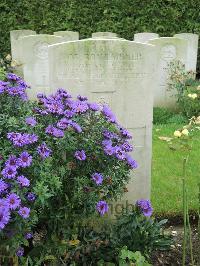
(140, 233)
(186, 88)
(123, 17)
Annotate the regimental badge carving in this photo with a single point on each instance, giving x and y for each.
(41, 50)
(168, 52)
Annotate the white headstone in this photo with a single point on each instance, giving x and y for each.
(169, 49)
(192, 49)
(15, 35)
(68, 35)
(35, 61)
(104, 35)
(144, 37)
(120, 73)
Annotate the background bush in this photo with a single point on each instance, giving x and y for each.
(125, 17)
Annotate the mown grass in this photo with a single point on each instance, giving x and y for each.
(167, 173)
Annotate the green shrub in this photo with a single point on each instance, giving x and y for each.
(186, 88)
(161, 115)
(123, 17)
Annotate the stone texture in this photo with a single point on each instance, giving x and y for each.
(192, 51)
(120, 73)
(15, 35)
(144, 37)
(34, 51)
(104, 35)
(68, 35)
(169, 49)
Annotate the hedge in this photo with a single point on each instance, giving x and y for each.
(125, 17)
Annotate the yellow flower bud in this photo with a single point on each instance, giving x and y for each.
(185, 132)
(177, 134)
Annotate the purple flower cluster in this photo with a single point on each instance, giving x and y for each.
(145, 207)
(22, 139)
(55, 132)
(107, 112)
(80, 155)
(31, 121)
(15, 86)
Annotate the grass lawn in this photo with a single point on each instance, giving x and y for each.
(167, 173)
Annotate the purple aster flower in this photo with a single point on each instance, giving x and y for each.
(25, 159)
(102, 207)
(31, 138)
(109, 150)
(16, 91)
(125, 133)
(145, 207)
(12, 76)
(109, 114)
(20, 252)
(69, 113)
(28, 235)
(23, 84)
(98, 178)
(31, 121)
(107, 142)
(76, 127)
(2, 89)
(50, 129)
(3, 186)
(9, 172)
(12, 161)
(3, 203)
(14, 201)
(63, 123)
(44, 151)
(79, 107)
(23, 181)
(24, 212)
(119, 153)
(110, 135)
(55, 107)
(94, 106)
(31, 196)
(131, 162)
(126, 146)
(82, 98)
(4, 216)
(80, 155)
(63, 93)
(58, 133)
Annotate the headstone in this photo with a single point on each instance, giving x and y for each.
(15, 35)
(104, 35)
(35, 61)
(192, 49)
(120, 73)
(68, 35)
(144, 37)
(169, 49)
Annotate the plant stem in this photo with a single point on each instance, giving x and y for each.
(190, 231)
(184, 212)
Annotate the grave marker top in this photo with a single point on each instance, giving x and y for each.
(68, 35)
(144, 37)
(169, 49)
(35, 61)
(192, 49)
(105, 34)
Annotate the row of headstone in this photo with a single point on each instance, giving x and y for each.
(125, 74)
(182, 47)
(106, 69)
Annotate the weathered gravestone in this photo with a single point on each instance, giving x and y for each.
(15, 35)
(169, 49)
(144, 37)
(104, 34)
(120, 73)
(34, 50)
(192, 51)
(68, 35)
